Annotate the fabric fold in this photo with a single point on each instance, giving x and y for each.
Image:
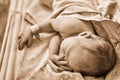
(31, 63)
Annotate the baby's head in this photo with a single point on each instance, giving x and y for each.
(95, 44)
(98, 50)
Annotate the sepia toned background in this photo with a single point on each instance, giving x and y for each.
(4, 8)
(28, 64)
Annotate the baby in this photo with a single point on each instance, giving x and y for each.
(77, 48)
(85, 53)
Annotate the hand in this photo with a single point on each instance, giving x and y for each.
(25, 38)
(57, 58)
(59, 64)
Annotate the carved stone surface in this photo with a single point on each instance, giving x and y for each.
(32, 63)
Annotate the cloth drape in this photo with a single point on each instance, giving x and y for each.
(31, 63)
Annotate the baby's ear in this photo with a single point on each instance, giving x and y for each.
(86, 34)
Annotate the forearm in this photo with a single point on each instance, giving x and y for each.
(42, 27)
(54, 45)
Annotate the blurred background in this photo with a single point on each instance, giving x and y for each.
(4, 9)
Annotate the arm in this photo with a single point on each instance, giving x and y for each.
(45, 26)
(57, 55)
(56, 49)
(27, 35)
(54, 45)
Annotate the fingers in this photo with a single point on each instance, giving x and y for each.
(59, 68)
(21, 43)
(56, 58)
(25, 37)
(64, 65)
(29, 42)
(59, 60)
(20, 47)
(54, 67)
(19, 40)
(66, 68)
(60, 57)
(62, 62)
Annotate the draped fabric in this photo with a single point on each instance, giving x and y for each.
(4, 8)
(5, 1)
(31, 63)
(8, 50)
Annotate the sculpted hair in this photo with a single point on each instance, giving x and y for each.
(101, 46)
(104, 51)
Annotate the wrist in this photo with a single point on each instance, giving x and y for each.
(35, 29)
